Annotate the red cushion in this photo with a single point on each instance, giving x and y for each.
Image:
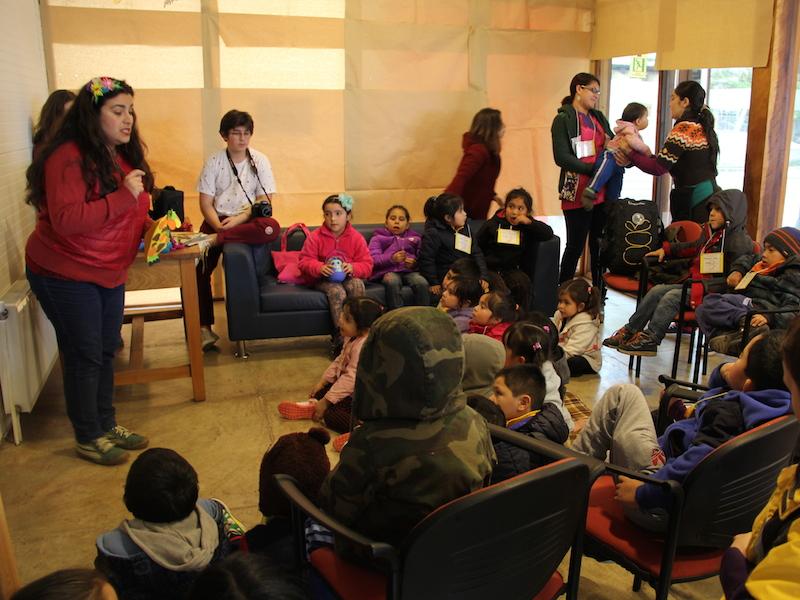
(606, 522)
(623, 283)
(348, 580)
(351, 581)
(552, 589)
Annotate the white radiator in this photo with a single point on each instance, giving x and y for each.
(28, 351)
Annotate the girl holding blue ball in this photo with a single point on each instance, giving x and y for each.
(336, 258)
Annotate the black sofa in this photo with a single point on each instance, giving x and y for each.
(258, 307)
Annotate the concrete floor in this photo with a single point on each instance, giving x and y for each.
(57, 504)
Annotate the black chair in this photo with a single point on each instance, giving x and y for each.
(687, 392)
(754, 311)
(503, 541)
(717, 500)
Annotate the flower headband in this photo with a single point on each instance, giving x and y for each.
(100, 86)
(346, 201)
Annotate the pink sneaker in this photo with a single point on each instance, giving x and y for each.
(340, 442)
(297, 410)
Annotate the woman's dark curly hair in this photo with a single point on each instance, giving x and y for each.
(82, 126)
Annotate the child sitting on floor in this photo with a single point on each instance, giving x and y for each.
(483, 359)
(336, 239)
(331, 399)
(762, 563)
(519, 392)
(172, 537)
(495, 313)
(529, 344)
(418, 445)
(769, 283)
(303, 456)
(724, 238)
(743, 395)
(67, 584)
(394, 249)
(578, 326)
(459, 299)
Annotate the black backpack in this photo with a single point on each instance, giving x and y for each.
(633, 228)
(168, 198)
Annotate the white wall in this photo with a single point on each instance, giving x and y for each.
(23, 90)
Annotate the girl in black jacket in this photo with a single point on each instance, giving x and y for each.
(447, 238)
(506, 239)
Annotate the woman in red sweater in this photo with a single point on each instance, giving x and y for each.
(89, 185)
(479, 167)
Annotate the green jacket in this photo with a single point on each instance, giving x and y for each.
(563, 129)
(419, 446)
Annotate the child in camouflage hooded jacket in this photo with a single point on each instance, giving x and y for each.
(419, 445)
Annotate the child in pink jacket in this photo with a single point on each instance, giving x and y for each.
(335, 258)
(331, 399)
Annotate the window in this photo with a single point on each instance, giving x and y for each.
(791, 201)
(728, 97)
(626, 88)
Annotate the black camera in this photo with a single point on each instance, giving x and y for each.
(261, 209)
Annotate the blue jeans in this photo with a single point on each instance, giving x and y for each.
(87, 319)
(607, 174)
(658, 307)
(393, 282)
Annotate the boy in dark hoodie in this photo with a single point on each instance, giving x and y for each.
(173, 535)
(743, 394)
(764, 282)
(418, 445)
(724, 239)
(519, 392)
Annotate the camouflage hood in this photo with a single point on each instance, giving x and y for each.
(410, 367)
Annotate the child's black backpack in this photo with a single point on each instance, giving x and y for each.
(633, 228)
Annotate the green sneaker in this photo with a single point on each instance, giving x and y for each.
(102, 452)
(127, 440)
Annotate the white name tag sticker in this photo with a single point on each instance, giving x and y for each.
(463, 243)
(746, 280)
(711, 262)
(584, 148)
(508, 236)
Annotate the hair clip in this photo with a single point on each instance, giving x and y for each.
(100, 86)
(346, 201)
(546, 328)
(536, 346)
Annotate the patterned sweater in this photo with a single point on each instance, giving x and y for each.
(686, 154)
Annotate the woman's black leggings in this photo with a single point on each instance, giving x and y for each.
(581, 223)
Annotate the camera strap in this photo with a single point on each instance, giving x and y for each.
(255, 172)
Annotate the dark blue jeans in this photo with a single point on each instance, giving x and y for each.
(87, 319)
(607, 174)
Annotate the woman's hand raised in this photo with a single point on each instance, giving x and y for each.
(133, 182)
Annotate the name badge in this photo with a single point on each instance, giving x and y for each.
(711, 262)
(583, 148)
(746, 280)
(463, 243)
(508, 236)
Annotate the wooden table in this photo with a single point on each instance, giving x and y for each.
(173, 269)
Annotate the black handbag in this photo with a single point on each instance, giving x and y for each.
(168, 198)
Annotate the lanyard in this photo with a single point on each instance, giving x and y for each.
(713, 237)
(255, 172)
(591, 122)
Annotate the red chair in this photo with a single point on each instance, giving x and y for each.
(719, 499)
(503, 541)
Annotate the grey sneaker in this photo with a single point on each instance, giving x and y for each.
(207, 338)
(102, 452)
(127, 440)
